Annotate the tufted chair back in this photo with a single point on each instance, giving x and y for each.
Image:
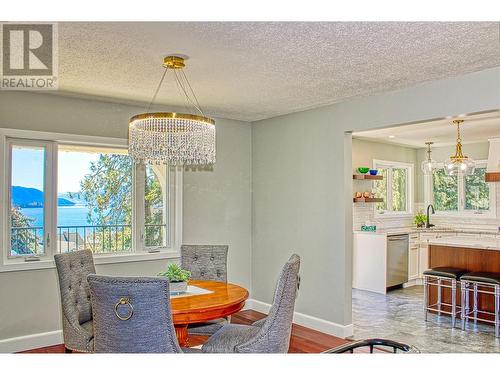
(132, 315)
(205, 262)
(275, 332)
(73, 269)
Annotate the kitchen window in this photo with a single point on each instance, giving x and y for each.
(68, 193)
(459, 195)
(396, 188)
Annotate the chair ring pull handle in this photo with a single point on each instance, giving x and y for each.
(124, 301)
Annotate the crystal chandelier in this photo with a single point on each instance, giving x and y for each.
(459, 164)
(429, 164)
(173, 138)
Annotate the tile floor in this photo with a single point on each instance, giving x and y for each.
(399, 316)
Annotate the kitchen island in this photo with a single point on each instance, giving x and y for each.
(475, 254)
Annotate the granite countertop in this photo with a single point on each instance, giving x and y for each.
(468, 242)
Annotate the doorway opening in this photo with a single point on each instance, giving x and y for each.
(400, 209)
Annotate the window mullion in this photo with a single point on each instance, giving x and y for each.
(409, 190)
(428, 191)
(389, 190)
(139, 173)
(461, 193)
(51, 199)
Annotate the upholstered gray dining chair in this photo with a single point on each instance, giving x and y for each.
(206, 262)
(73, 269)
(269, 335)
(132, 315)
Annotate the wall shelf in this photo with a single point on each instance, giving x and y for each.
(492, 177)
(366, 177)
(367, 200)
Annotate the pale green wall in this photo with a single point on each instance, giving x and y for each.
(217, 204)
(293, 181)
(363, 153)
(302, 183)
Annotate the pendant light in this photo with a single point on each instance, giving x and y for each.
(173, 138)
(429, 164)
(459, 164)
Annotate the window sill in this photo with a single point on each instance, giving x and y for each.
(392, 215)
(14, 266)
(462, 214)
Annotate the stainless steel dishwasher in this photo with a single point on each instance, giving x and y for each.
(397, 260)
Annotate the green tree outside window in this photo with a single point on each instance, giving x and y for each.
(445, 191)
(399, 188)
(393, 189)
(380, 189)
(477, 191)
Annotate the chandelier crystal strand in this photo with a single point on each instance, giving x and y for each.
(173, 138)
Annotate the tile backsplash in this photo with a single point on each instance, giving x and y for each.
(364, 213)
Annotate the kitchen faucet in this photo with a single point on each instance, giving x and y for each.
(428, 224)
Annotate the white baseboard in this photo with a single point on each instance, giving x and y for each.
(308, 321)
(410, 283)
(413, 283)
(38, 340)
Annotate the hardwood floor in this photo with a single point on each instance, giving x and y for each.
(303, 340)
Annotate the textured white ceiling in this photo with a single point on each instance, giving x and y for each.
(252, 71)
(475, 128)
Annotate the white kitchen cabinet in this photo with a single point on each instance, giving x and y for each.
(423, 258)
(413, 257)
(369, 262)
(413, 262)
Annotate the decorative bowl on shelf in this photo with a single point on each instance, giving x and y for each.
(363, 170)
(373, 172)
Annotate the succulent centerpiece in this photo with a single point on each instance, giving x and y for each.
(177, 277)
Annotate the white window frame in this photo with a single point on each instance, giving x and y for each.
(389, 213)
(48, 196)
(461, 212)
(139, 251)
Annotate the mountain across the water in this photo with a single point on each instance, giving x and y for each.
(30, 197)
(75, 197)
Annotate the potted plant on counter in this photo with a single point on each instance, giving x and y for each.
(420, 219)
(177, 277)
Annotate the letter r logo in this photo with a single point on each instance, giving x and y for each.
(27, 50)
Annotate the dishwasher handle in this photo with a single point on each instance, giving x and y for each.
(397, 238)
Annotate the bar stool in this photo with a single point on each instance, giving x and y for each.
(489, 281)
(442, 277)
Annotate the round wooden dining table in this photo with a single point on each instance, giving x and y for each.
(223, 299)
